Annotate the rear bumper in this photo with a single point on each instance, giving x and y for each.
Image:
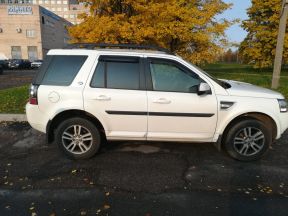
(35, 118)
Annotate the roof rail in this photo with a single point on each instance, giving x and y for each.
(121, 46)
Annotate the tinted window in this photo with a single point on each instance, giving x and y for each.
(98, 79)
(63, 69)
(121, 73)
(167, 76)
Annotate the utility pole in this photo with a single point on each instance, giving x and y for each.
(280, 45)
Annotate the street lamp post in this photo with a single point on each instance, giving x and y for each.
(280, 45)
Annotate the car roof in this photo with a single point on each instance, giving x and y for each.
(106, 52)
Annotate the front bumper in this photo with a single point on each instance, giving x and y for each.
(283, 120)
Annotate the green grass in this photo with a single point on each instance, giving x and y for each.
(240, 69)
(246, 73)
(13, 100)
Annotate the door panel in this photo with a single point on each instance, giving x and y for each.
(119, 110)
(117, 98)
(175, 110)
(187, 117)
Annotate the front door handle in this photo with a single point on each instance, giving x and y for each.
(102, 98)
(162, 101)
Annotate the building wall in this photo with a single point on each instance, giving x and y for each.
(67, 9)
(53, 30)
(14, 32)
(37, 32)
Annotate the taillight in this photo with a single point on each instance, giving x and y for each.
(33, 95)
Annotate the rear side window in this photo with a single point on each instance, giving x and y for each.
(63, 69)
(117, 73)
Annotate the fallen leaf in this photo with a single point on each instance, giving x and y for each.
(83, 213)
(106, 206)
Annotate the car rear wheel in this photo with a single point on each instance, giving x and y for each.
(248, 140)
(78, 138)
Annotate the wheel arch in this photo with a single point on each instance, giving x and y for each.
(53, 124)
(264, 118)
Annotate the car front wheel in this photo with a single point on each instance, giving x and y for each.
(78, 138)
(248, 140)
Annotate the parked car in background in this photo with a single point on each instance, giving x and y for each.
(19, 64)
(4, 64)
(36, 63)
(1, 69)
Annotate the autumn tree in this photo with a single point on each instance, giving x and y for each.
(185, 27)
(259, 46)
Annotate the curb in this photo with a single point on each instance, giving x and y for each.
(13, 118)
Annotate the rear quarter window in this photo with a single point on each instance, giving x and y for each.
(63, 69)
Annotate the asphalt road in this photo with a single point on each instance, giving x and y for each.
(14, 78)
(137, 179)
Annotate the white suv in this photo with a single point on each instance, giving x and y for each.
(82, 97)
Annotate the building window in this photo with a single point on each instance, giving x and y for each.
(40, 2)
(52, 9)
(30, 33)
(47, 2)
(16, 52)
(32, 53)
(59, 9)
(65, 2)
(65, 16)
(59, 2)
(72, 16)
(52, 2)
(65, 9)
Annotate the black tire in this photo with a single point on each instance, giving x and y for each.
(238, 132)
(86, 127)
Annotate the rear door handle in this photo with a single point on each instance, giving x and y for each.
(162, 101)
(102, 98)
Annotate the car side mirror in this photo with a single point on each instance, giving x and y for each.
(204, 89)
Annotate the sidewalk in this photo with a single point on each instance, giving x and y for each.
(13, 117)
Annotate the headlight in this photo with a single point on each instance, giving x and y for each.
(282, 105)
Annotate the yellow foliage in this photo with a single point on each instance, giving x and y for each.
(185, 27)
(259, 46)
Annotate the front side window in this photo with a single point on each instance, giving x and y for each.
(121, 73)
(168, 76)
(63, 69)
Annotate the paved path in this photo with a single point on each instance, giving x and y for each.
(137, 179)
